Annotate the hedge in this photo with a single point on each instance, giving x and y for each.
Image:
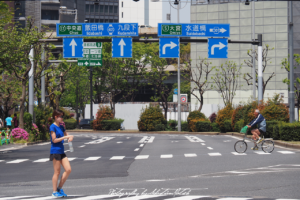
(113, 124)
(70, 123)
(270, 133)
(215, 127)
(227, 125)
(203, 126)
(239, 125)
(184, 126)
(288, 131)
(159, 127)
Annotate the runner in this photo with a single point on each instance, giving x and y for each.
(57, 154)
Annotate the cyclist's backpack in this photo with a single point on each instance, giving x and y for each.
(244, 129)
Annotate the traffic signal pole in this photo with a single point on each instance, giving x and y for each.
(178, 81)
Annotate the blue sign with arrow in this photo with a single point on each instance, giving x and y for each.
(217, 48)
(121, 47)
(169, 47)
(73, 47)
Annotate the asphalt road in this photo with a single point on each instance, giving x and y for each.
(132, 166)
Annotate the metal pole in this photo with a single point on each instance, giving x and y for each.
(31, 84)
(178, 77)
(253, 52)
(91, 93)
(43, 79)
(291, 61)
(260, 79)
(76, 20)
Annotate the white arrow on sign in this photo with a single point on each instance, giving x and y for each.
(222, 30)
(171, 45)
(220, 45)
(73, 44)
(122, 44)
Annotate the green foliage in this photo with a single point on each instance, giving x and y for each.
(275, 109)
(289, 131)
(194, 117)
(185, 88)
(203, 126)
(159, 127)
(70, 123)
(215, 127)
(223, 115)
(27, 121)
(113, 124)
(227, 125)
(239, 125)
(42, 113)
(237, 115)
(171, 125)
(270, 133)
(184, 126)
(150, 117)
(103, 113)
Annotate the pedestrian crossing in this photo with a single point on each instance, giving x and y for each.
(141, 197)
(142, 157)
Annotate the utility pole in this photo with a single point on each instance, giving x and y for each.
(291, 61)
(31, 84)
(260, 79)
(178, 81)
(253, 51)
(91, 88)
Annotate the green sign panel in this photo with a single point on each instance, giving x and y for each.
(171, 29)
(70, 29)
(92, 54)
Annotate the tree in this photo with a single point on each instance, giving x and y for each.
(15, 46)
(185, 88)
(265, 60)
(226, 80)
(198, 76)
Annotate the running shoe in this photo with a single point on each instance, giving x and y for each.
(57, 195)
(254, 148)
(61, 191)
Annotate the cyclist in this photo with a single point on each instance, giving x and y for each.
(261, 124)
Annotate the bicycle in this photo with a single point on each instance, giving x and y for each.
(267, 144)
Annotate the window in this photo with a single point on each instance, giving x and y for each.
(96, 20)
(111, 20)
(168, 16)
(96, 8)
(101, 20)
(50, 15)
(116, 20)
(106, 9)
(116, 10)
(91, 20)
(92, 8)
(101, 9)
(111, 9)
(122, 14)
(87, 8)
(122, 4)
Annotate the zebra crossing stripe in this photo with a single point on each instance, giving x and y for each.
(117, 158)
(70, 159)
(42, 160)
(190, 155)
(17, 161)
(166, 156)
(151, 139)
(261, 153)
(141, 197)
(286, 152)
(95, 197)
(142, 157)
(214, 154)
(17, 197)
(194, 139)
(238, 154)
(210, 148)
(92, 158)
(187, 197)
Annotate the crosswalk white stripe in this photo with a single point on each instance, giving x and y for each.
(43, 198)
(151, 139)
(82, 146)
(18, 161)
(214, 154)
(42, 160)
(141, 197)
(17, 197)
(233, 198)
(166, 156)
(261, 153)
(137, 149)
(44, 143)
(95, 197)
(238, 154)
(143, 139)
(117, 158)
(202, 143)
(194, 139)
(142, 157)
(92, 158)
(187, 197)
(72, 158)
(210, 148)
(286, 152)
(190, 155)
(1, 160)
(141, 145)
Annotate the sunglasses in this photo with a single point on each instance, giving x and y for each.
(60, 117)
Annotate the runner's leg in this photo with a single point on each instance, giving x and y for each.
(66, 165)
(56, 167)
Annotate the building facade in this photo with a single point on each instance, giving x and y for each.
(271, 20)
(104, 11)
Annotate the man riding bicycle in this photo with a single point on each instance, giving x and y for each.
(261, 124)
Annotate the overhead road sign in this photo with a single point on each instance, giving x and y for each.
(96, 29)
(169, 47)
(92, 55)
(193, 30)
(73, 47)
(121, 47)
(217, 48)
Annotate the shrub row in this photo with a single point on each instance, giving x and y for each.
(113, 124)
(70, 123)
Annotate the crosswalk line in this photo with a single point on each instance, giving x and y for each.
(210, 148)
(261, 153)
(166, 156)
(141, 197)
(203, 144)
(42, 160)
(17, 161)
(82, 146)
(95, 197)
(143, 139)
(286, 152)
(142, 157)
(194, 139)
(190, 155)
(187, 197)
(234, 198)
(72, 158)
(137, 149)
(16, 197)
(92, 158)
(141, 145)
(117, 158)
(238, 154)
(101, 140)
(214, 154)
(2, 160)
(151, 139)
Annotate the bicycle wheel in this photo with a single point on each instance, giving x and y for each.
(267, 146)
(240, 146)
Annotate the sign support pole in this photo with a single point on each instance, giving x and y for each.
(260, 79)
(178, 81)
(291, 61)
(43, 78)
(31, 84)
(91, 93)
(253, 52)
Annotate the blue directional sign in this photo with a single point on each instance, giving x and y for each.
(121, 47)
(73, 47)
(169, 47)
(194, 30)
(97, 29)
(217, 48)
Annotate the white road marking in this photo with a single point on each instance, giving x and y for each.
(42, 198)
(214, 154)
(12, 148)
(194, 139)
(96, 197)
(42, 160)
(117, 158)
(127, 137)
(143, 139)
(203, 144)
(45, 143)
(119, 142)
(141, 145)
(238, 154)
(187, 197)
(286, 152)
(151, 140)
(261, 153)
(18, 161)
(166, 156)
(101, 140)
(141, 197)
(17, 197)
(142, 157)
(190, 155)
(233, 198)
(147, 139)
(1, 160)
(82, 146)
(66, 151)
(210, 148)
(92, 158)
(154, 180)
(72, 158)
(137, 149)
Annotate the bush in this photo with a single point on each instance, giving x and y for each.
(172, 124)
(239, 125)
(66, 113)
(203, 126)
(19, 134)
(103, 113)
(227, 125)
(237, 115)
(223, 115)
(27, 121)
(212, 118)
(159, 127)
(72, 115)
(289, 131)
(215, 127)
(42, 113)
(150, 117)
(270, 130)
(113, 124)
(184, 126)
(194, 117)
(275, 110)
(70, 123)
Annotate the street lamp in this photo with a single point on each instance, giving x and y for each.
(63, 10)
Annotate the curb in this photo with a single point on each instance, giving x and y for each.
(32, 143)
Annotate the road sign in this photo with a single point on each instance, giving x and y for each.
(169, 47)
(121, 47)
(97, 29)
(217, 48)
(194, 30)
(183, 99)
(92, 54)
(73, 47)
